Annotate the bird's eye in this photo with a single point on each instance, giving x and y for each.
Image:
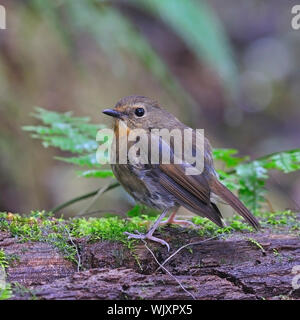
(139, 112)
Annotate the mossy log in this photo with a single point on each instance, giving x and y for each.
(236, 267)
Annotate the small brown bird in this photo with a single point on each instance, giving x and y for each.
(166, 187)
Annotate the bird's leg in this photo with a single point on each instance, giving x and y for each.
(149, 234)
(172, 220)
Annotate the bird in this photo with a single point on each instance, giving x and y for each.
(166, 186)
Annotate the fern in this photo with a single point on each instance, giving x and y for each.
(228, 156)
(249, 178)
(286, 161)
(88, 160)
(95, 173)
(252, 178)
(73, 134)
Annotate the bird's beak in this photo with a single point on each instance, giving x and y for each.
(112, 113)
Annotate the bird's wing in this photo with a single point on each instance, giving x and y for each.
(195, 185)
(190, 191)
(194, 191)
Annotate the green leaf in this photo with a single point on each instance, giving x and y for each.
(63, 131)
(228, 157)
(135, 211)
(229, 180)
(286, 161)
(249, 178)
(73, 134)
(252, 178)
(88, 160)
(96, 174)
(76, 145)
(42, 130)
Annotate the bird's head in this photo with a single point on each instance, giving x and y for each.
(139, 112)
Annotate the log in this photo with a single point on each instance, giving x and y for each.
(235, 267)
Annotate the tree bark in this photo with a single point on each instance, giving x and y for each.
(231, 268)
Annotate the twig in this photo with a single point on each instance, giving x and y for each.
(98, 194)
(186, 245)
(168, 272)
(122, 213)
(83, 197)
(270, 205)
(75, 246)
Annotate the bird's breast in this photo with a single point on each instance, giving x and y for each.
(141, 183)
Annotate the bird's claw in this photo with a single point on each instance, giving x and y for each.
(146, 236)
(185, 223)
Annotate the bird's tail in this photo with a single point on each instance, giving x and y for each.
(220, 190)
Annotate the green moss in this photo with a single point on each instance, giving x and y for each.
(62, 234)
(208, 228)
(3, 260)
(39, 226)
(111, 228)
(42, 226)
(257, 244)
(6, 293)
(272, 220)
(61, 240)
(281, 218)
(25, 228)
(5, 288)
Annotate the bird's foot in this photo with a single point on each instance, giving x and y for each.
(147, 236)
(184, 223)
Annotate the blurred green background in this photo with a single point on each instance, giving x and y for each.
(231, 67)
